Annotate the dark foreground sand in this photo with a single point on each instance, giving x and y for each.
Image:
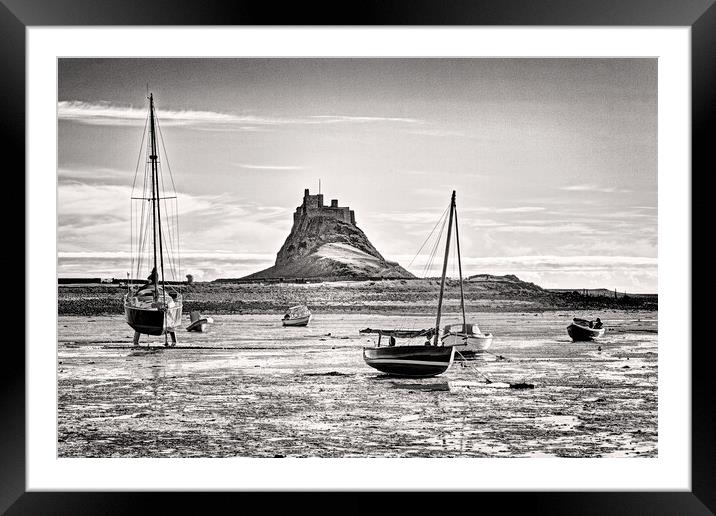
(249, 387)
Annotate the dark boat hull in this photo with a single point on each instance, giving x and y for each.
(413, 361)
(198, 326)
(578, 332)
(153, 321)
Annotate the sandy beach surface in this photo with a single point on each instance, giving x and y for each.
(250, 388)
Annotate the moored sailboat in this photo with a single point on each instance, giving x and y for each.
(430, 359)
(154, 307)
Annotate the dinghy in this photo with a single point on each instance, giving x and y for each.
(581, 329)
(298, 315)
(197, 322)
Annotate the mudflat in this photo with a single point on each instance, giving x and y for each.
(249, 387)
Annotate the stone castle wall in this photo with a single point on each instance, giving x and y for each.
(313, 205)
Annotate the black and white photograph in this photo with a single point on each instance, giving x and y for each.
(357, 257)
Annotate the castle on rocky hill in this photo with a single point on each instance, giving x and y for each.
(325, 242)
(312, 206)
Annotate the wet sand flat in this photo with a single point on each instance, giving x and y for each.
(251, 388)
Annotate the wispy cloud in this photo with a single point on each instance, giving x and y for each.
(547, 228)
(593, 188)
(94, 175)
(416, 172)
(520, 209)
(332, 119)
(97, 218)
(125, 255)
(483, 223)
(442, 133)
(550, 262)
(407, 218)
(432, 215)
(110, 114)
(269, 167)
(580, 271)
(204, 266)
(493, 209)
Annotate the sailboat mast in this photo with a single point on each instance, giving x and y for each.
(459, 268)
(153, 161)
(445, 260)
(155, 196)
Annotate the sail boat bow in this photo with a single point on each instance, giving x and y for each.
(154, 307)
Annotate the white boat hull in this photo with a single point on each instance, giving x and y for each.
(299, 321)
(468, 343)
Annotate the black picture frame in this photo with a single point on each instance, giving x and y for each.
(699, 15)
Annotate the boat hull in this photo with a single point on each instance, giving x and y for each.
(578, 332)
(300, 321)
(412, 361)
(198, 326)
(472, 343)
(153, 321)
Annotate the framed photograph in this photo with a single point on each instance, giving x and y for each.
(421, 249)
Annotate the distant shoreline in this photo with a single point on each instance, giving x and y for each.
(387, 296)
(95, 281)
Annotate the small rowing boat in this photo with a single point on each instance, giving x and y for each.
(298, 315)
(197, 322)
(581, 329)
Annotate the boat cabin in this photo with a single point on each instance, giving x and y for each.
(144, 298)
(461, 328)
(392, 335)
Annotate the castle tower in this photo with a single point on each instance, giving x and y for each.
(313, 206)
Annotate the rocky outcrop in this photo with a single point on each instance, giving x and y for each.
(326, 243)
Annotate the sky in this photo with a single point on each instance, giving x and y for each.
(554, 161)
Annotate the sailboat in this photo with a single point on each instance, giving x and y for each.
(435, 356)
(153, 307)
